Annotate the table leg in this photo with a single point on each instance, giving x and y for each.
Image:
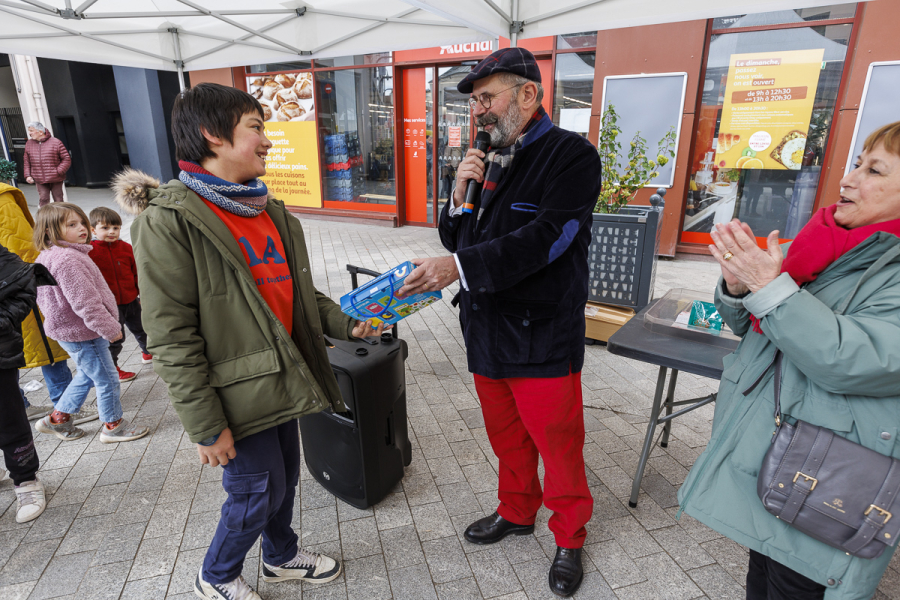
(648, 438)
(670, 397)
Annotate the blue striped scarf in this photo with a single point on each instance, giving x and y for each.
(244, 200)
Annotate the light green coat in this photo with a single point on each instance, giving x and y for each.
(840, 336)
(226, 358)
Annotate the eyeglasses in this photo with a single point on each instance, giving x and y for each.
(485, 99)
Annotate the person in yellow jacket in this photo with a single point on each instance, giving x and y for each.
(16, 226)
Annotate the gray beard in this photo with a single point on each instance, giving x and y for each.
(506, 126)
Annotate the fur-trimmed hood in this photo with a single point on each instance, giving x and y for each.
(132, 189)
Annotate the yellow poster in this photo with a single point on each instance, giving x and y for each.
(292, 165)
(768, 103)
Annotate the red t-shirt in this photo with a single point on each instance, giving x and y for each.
(264, 253)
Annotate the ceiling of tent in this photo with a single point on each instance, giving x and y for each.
(218, 33)
(205, 34)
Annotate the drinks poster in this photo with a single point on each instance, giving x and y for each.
(292, 165)
(768, 103)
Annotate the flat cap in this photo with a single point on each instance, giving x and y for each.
(517, 61)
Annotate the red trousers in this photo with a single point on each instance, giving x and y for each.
(525, 417)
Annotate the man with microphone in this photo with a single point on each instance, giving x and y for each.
(519, 241)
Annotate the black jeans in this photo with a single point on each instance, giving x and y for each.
(130, 317)
(770, 580)
(16, 440)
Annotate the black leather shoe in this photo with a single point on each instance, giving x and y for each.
(493, 529)
(566, 571)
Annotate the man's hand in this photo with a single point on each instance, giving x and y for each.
(220, 452)
(29, 179)
(430, 275)
(472, 167)
(364, 329)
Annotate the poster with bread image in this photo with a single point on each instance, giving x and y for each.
(284, 97)
(768, 104)
(292, 164)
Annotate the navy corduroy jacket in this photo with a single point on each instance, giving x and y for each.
(524, 258)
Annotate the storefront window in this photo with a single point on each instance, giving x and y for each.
(454, 133)
(379, 58)
(574, 91)
(587, 39)
(762, 131)
(819, 13)
(287, 66)
(355, 110)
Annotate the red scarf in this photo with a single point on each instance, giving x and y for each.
(821, 242)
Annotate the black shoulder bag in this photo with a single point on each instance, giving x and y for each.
(831, 489)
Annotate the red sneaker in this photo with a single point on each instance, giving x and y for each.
(146, 358)
(125, 375)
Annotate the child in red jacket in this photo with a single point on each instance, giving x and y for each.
(116, 261)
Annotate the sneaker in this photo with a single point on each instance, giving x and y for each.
(233, 590)
(125, 375)
(306, 566)
(146, 358)
(84, 415)
(36, 412)
(64, 431)
(122, 433)
(2, 474)
(30, 501)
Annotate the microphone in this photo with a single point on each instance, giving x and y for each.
(482, 142)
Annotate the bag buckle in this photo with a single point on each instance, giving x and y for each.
(814, 482)
(887, 515)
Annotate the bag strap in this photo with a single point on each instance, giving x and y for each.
(877, 514)
(778, 357)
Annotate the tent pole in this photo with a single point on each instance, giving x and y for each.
(514, 29)
(179, 64)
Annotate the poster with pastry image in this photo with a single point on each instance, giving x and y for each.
(768, 104)
(292, 165)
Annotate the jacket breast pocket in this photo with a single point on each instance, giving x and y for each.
(247, 506)
(524, 330)
(246, 366)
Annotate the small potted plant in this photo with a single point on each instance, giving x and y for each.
(623, 249)
(8, 171)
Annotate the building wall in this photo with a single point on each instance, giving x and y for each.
(876, 40)
(673, 47)
(82, 102)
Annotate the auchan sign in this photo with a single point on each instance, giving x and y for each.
(477, 50)
(468, 48)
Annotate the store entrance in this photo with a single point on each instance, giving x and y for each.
(436, 134)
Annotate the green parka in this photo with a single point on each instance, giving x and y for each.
(226, 358)
(840, 336)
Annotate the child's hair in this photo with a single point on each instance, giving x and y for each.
(50, 221)
(105, 216)
(217, 109)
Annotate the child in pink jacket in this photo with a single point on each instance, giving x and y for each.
(81, 314)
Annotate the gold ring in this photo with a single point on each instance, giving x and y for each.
(728, 256)
(425, 285)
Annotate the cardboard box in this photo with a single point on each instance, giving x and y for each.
(602, 320)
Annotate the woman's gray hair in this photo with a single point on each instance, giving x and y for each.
(37, 125)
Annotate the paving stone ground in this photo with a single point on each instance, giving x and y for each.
(133, 521)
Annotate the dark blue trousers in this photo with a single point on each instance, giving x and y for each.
(261, 482)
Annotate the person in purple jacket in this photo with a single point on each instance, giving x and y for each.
(81, 314)
(46, 163)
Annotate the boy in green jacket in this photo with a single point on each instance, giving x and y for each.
(236, 329)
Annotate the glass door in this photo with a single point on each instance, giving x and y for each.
(454, 132)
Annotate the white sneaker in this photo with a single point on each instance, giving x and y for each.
(123, 432)
(31, 501)
(233, 590)
(306, 566)
(2, 474)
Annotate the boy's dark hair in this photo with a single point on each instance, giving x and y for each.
(217, 109)
(104, 216)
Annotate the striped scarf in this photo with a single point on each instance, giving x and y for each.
(498, 161)
(243, 200)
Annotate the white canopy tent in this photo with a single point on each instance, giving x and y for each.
(178, 35)
(520, 19)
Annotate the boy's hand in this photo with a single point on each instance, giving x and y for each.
(220, 452)
(364, 329)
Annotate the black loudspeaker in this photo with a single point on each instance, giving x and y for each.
(359, 455)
